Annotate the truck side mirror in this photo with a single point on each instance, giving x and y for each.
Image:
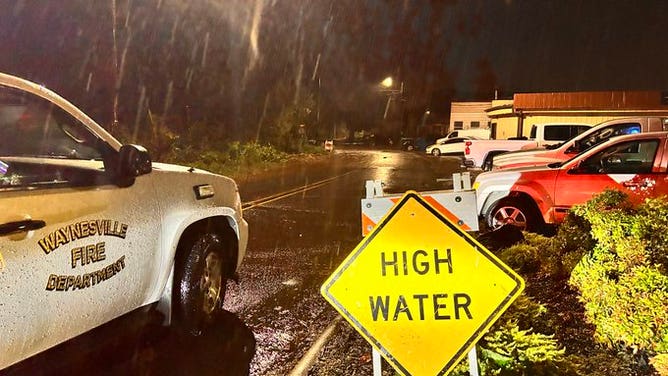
(133, 161)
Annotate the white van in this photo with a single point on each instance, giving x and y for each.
(481, 133)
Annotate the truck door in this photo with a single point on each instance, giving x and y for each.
(76, 250)
(630, 166)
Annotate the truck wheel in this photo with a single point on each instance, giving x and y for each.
(515, 212)
(435, 152)
(199, 282)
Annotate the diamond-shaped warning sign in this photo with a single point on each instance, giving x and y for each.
(421, 290)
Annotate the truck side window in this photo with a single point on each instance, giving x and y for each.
(557, 132)
(36, 137)
(578, 130)
(532, 134)
(633, 157)
(33, 127)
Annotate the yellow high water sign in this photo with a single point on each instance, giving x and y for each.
(421, 290)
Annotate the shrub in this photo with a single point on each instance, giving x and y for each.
(508, 350)
(660, 363)
(622, 281)
(513, 347)
(572, 241)
(555, 256)
(229, 159)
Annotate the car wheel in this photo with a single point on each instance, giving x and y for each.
(410, 148)
(514, 212)
(435, 152)
(199, 282)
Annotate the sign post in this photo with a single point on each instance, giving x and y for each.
(421, 290)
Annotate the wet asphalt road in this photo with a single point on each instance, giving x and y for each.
(275, 312)
(298, 241)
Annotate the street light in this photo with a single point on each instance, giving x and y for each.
(387, 82)
(424, 117)
(387, 85)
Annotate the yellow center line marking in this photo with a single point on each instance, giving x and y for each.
(288, 193)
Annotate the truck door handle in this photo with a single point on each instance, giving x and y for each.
(21, 226)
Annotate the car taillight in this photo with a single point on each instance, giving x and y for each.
(467, 149)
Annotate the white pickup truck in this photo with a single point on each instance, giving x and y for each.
(91, 229)
(479, 153)
(585, 141)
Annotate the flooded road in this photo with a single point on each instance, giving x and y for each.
(304, 219)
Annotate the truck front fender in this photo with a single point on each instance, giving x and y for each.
(527, 190)
(173, 229)
(539, 195)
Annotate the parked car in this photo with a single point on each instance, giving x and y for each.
(479, 133)
(578, 144)
(449, 146)
(407, 143)
(91, 229)
(533, 196)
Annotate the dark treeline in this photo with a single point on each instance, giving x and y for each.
(257, 69)
(234, 69)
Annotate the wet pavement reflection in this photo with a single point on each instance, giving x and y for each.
(138, 344)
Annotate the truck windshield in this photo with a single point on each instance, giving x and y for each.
(589, 141)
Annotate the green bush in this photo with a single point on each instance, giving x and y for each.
(251, 154)
(523, 257)
(527, 256)
(512, 347)
(508, 350)
(572, 241)
(229, 159)
(660, 363)
(555, 256)
(622, 281)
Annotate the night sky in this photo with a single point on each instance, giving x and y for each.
(572, 45)
(239, 63)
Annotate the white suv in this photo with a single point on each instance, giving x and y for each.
(91, 229)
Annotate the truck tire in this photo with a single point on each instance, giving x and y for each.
(436, 152)
(517, 212)
(200, 282)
